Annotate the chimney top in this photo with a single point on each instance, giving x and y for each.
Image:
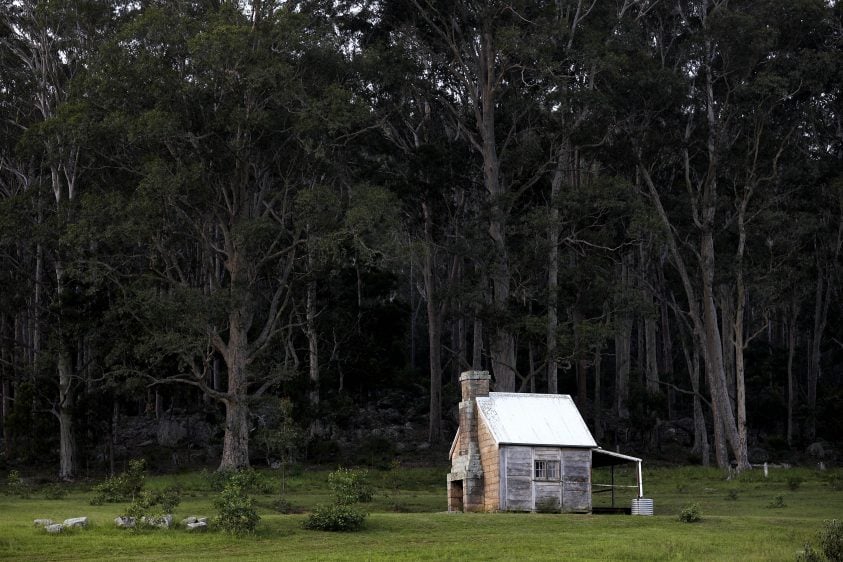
(474, 384)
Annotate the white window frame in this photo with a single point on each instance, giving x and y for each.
(547, 469)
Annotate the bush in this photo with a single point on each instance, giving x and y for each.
(123, 487)
(15, 486)
(153, 505)
(809, 555)
(342, 518)
(690, 514)
(169, 498)
(732, 495)
(777, 502)
(350, 486)
(55, 492)
(236, 513)
(831, 540)
(283, 505)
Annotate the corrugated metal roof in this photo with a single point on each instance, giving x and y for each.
(534, 419)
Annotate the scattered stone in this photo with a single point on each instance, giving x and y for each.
(76, 522)
(125, 522)
(197, 526)
(43, 522)
(162, 522)
(189, 520)
(55, 528)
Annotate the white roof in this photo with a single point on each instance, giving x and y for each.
(534, 419)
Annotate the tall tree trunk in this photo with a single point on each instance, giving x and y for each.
(692, 360)
(727, 331)
(434, 331)
(623, 339)
(793, 315)
(553, 231)
(502, 347)
(235, 447)
(312, 344)
(597, 405)
(68, 461)
(725, 429)
(822, 298)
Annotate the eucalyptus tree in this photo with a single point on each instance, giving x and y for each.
(230, 112)
(722, 80)
(54, 41)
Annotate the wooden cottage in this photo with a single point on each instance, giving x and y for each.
(522, 452)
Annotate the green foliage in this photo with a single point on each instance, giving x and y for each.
(277, 434)
(236, 511)
(350, 486)
(338, 517)
(776, 503)
(732, 494)
(55, 492)
(283, 505)
(808, 554)
(15, 485)
(831, 540)
(152, 505)
(122, 487)
(690, 514)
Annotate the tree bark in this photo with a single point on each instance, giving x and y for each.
(235, 447)
(434, 331)
(793, 315)
(623, 337)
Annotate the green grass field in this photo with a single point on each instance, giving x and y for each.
(407, 521)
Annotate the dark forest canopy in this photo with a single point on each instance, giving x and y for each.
(275, 214)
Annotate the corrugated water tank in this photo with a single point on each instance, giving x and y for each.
(642, 506)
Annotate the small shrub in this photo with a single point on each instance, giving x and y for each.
(169, 498)
(776, 503)
(793, 482)
(681, 488)
(55, 492)
(283, 505)
(732, 495)
(690, 514)
(836, 482)
(831, 540)
(350, 486)
(142, 506)
(236, 513)
(547, 505)
(341, 518)
(809, 555)
(15, 485)
(122, 487)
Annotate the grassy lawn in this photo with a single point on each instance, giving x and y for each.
(407, 522)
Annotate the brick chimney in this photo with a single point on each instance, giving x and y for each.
(473, 385)
(465, 481)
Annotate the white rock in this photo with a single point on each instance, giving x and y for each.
(163, 522)
(189, 520)
(125, 522)
(197, 526)
(202, 520)
(76, 522)
(43, 522)
(54, 528)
